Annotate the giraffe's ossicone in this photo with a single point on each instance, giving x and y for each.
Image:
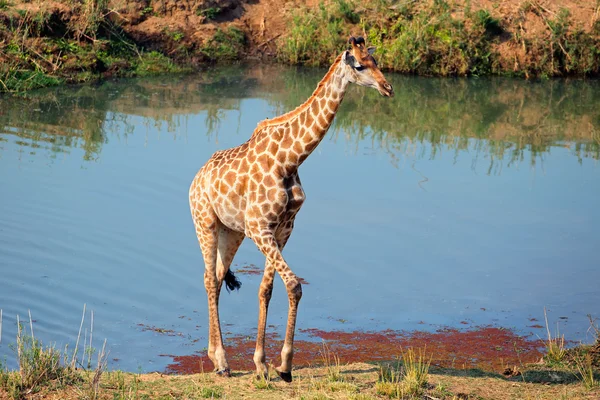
(253, 190)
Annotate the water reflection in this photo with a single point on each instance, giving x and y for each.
(504, 121)
(117, 235)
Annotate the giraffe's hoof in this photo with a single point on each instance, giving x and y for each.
(262, 376)
(224, 372)
(286, 376)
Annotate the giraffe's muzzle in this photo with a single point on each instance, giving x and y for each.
(387, 90)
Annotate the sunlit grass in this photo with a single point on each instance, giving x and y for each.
(555, 345)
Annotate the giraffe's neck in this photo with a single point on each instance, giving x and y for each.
(323, 106)
(298, 132)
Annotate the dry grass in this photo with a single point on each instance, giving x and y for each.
(555, 345)
(586, 371)
(41, 374)
(360, 381)
(415, 372)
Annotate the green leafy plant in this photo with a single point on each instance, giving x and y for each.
(225, 45)
(209, 13)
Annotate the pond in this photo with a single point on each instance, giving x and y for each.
(457, 203)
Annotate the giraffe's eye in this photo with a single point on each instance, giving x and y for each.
(360, 68)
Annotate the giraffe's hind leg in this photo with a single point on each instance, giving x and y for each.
(218, 248)
(264, 297)
(229, 243)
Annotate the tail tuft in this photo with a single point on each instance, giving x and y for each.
(231, 282)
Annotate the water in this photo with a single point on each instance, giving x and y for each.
(456, 203)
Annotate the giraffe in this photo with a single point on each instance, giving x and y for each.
(253, 190)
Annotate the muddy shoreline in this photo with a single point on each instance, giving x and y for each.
(487, 348)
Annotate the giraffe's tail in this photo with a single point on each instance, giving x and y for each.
(231, 282)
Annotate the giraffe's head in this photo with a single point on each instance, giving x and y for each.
(362, 69)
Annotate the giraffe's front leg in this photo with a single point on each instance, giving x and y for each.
(264, 297)
(294, 290)
(268, 246)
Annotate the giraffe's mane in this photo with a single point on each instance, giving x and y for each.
(291, 114)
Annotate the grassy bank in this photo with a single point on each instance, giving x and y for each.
(450, 38)
(81, 373)
(46, 45)
(70, 41)
(74, 41)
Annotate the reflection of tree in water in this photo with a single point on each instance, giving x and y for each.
(499, 121)
(61, 119)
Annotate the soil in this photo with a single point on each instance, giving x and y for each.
(264, 21)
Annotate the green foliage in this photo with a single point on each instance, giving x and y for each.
(426, 38)
(5, 4)
(68, 46)
(315, 36)
(388, 382)
(489, 24)
(425, 41)
(415, 372)
(263, 383)
(176, 36)
(153, 63)
(406, 381)
(13, 79)
(38, 367)
(147, 11)
(586, 372)
(555, 346)
(211, 392)
(225, 45)
(209, 13)
(346, 9)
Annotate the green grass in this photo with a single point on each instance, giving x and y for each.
(209, 13)
(415, 372)
(555, 346)
(91, 45)
(225, 45)
(407, 379)
(426, 38)
(332, 364)
(39, 366)
(586, 372)
(263, 383)
(388, 382)
(14, 79)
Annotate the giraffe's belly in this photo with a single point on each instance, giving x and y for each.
(230, 216)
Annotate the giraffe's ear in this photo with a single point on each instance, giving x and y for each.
(371, 50)
(349, 58)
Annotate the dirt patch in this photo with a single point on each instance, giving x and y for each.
(486, 348)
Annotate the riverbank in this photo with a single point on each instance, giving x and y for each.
(477, 363)
(45, 43)
(356, 381)
(411, 374)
